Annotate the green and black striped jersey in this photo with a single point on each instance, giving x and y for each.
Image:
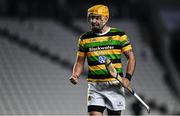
(95, 47)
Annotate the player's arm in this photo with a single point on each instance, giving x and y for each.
(77, 69)
(131, 62)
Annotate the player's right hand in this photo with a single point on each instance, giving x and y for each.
(125, 82)
(74, 79)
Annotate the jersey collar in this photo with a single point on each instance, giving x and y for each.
(109, 28)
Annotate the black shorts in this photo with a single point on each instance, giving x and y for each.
(101, 109)
(96, 108)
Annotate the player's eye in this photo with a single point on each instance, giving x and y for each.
(98, 17)
(91, 18)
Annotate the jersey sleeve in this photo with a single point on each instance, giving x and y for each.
(81, 49)
(125, 43)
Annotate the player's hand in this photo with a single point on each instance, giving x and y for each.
(74, 79)
(125, 82)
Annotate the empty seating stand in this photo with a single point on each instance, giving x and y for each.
(32, 84)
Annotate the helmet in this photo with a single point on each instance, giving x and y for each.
(99, 9)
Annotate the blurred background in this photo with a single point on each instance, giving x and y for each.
(38, 43)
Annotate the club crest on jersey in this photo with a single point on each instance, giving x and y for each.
(102, 59)
(109, 38)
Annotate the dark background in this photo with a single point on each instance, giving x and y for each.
(38, 43)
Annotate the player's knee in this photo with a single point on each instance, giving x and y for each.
(113, 113)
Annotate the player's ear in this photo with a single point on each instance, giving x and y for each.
(105, 18)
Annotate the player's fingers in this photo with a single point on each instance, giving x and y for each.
(73, 81)
(127, 83)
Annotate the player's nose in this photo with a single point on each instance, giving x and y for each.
(94, 20)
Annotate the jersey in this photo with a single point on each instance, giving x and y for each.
(96, 47)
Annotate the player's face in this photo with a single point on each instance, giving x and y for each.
(97, 22)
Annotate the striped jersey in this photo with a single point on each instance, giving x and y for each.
(95, 47)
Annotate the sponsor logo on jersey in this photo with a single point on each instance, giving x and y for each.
(101, 48)
(102, 59)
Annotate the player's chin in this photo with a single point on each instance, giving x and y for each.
(96, 28)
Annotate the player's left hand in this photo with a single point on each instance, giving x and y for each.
(125, 82)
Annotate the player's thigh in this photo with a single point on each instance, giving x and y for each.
(115, 101)
(95, 98)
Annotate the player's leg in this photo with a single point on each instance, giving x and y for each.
(95, 113)
(95, 100)
(95, 110)
(115, 100)
(113, 113)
